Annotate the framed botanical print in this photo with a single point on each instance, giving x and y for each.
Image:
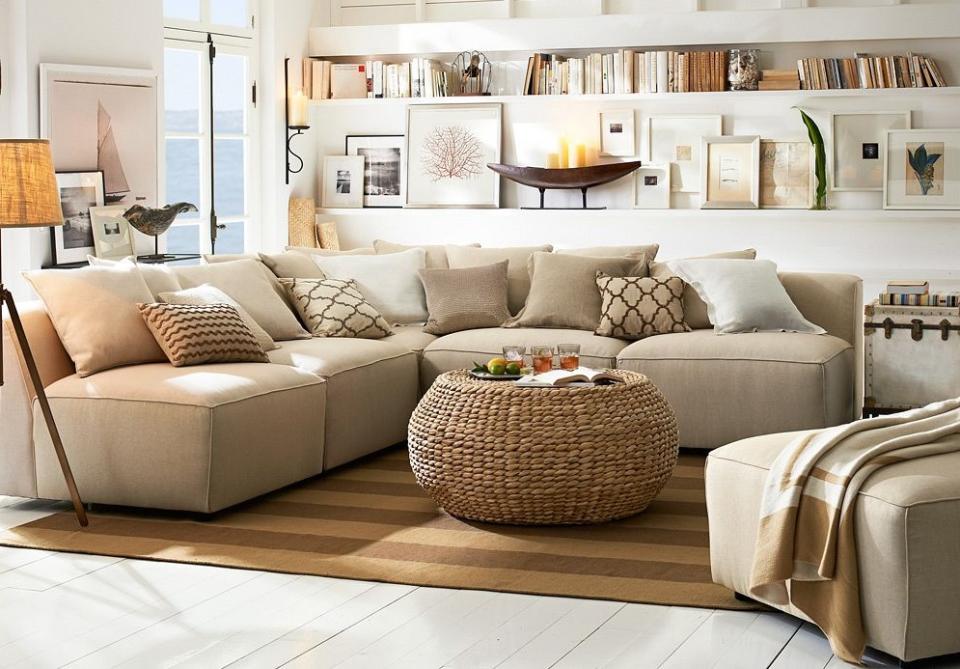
(343, 181)
(730, 172)
(79, 192)
(857, 162)
(448, 148)
(652, 187)
(383, 168)
(786, 174)
(675, 139)
(922, 169)
(112, 235)
(618, 136)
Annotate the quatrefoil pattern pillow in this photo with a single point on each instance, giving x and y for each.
(335, 308)
(637, 307)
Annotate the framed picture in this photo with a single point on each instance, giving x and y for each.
(730, 172)
(675, 139)
(786, 174)
(857, 162)
(448, 148)
(922, 169)
(112, 236)
(618, 136)
(79, 192)
(343, 181)
(383, 161)
(103, 118)
(652, 187)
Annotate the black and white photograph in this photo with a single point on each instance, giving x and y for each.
(79, 191)
(383, 179)
(342, 181)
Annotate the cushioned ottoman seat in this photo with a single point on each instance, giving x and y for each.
(907, 525)
(371, 391)
(727, 387)
(189, 438)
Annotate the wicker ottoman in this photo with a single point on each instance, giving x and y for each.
(490, 451)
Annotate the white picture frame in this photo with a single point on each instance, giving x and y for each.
(730, 172)
(384, 173)
(654, 195)
(787, 176)
(435, 177)
(857, 150)
(676, 139)
(342, 186)
(73, 241)
(618, 134)
(112, 234)
(904, 187)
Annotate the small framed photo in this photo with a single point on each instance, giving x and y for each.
(858, 137)
(79, 191)
(343, 181)
(922, 169)
(730, 172)
(675, 139)
(618, 135)
(786, 174)
(112, 236)
(652, 187)
(384, 182)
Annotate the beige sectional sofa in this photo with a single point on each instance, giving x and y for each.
(207, 437)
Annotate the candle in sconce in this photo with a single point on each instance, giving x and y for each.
(553, 161)
(564, 153)
(298, 113)
(579, 156)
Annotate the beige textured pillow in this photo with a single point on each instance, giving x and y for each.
(649, 250)
(634, 307)
(159, 278)
(207, 294)
(436, 253)
(94, 310)
(291, 265)
(255, 288)
(336, 308)
(466, 299)
(694, 308)
(518, 274)
(195, 334)
(563, 290)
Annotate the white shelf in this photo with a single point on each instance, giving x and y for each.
(519, 37)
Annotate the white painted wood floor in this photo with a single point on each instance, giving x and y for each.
(81, 611)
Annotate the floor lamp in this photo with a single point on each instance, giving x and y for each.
(29, 198)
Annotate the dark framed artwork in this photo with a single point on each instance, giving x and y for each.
(79, 192)
(384, 181)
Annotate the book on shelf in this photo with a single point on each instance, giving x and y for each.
(779, 80)
(866, 71)
(348, 81)
(417, 78)
(943, 300)
(319, 79)
(559, 378)
(908, 287)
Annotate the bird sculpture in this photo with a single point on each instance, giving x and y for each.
(155, 222)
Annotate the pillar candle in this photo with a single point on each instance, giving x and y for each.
(298, 109)
(553, 160)
(579, 158)
(564, 157)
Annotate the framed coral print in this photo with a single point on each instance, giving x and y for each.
(675, 139)
(786, 174)
(858, 137)
(922, 169)
(730, 172)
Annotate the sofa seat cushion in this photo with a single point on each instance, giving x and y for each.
(910, 590)
(410, 337)
(329, 356)
(183, 438)
(728, 387)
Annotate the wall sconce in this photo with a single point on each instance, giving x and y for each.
(296, 110)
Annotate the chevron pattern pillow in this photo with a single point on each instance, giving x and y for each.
(335, 308)
(638, 307)
(198, 334)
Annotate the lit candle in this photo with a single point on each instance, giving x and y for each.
(564, 157)
(579, 156)
(553, 161)
(298, 109)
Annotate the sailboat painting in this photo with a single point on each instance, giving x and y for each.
(104, 119)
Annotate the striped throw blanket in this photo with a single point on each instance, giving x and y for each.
(806, 554)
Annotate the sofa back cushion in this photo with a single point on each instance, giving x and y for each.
(648, 250)
(466, 298)
(518, 274)
(436, 253)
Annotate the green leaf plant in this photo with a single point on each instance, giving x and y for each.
(820, 165)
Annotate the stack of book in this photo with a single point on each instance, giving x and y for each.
(418, 78)
(626, 71)
(779, 80)
(865, 71)
(916, 294)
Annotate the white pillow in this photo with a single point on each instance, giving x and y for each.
(207, 294)
(159, 278)
(743, 296)
(391, 282)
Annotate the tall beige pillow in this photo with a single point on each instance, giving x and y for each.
(648, 250)
(694, 308)
(564, 293)
(465, 299)
(518, 274)
(94, 310)
(436, 253)
(246, 281)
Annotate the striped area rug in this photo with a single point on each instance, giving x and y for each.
(371, 521)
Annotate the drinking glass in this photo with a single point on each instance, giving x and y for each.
(569, 356)
(514, 353)
(542, 359)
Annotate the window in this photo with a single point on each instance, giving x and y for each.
(227, 17)
(215, 177)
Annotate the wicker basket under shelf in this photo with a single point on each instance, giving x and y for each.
(494, 452)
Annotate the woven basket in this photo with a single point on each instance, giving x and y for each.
(494, 452)
(301, 216)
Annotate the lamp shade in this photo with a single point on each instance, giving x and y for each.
(29, 196)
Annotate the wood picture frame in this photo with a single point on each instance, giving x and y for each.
(730, 172)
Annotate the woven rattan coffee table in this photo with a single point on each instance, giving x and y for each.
(495, 452)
